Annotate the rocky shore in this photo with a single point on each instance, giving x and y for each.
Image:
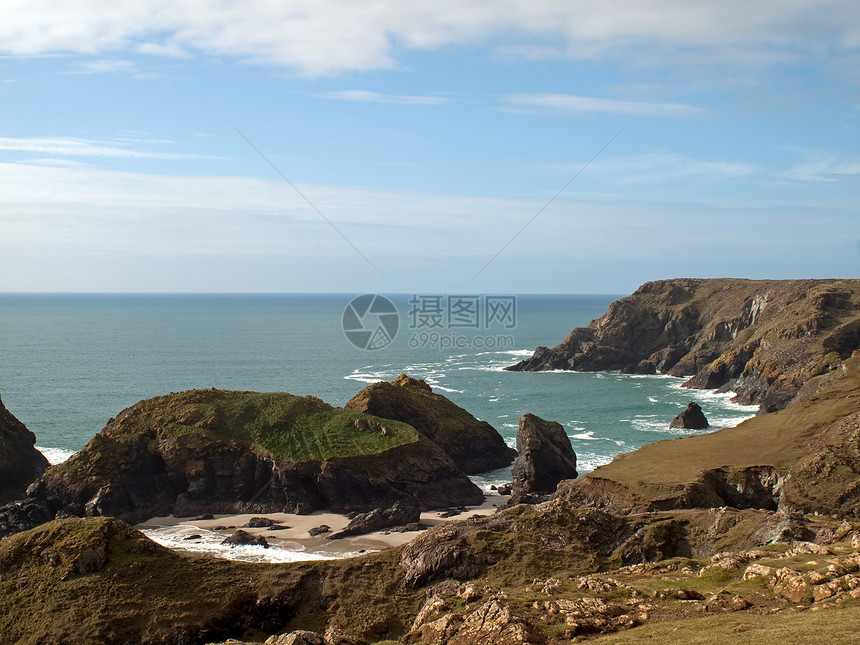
(736, 534)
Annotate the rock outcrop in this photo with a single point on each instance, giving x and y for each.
(545, 457)
(764, 339)
(20, 463)
(475, 446)
(243, 538)
(399, 514)
(213, 451)
(692, 418)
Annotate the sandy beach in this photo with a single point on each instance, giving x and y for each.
(195, 535)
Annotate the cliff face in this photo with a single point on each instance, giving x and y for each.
(20, 462)
(764, 339)
(212, 451)
(475, 446)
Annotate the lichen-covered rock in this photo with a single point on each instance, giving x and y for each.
(496, 623)
(20, 462)
(756, 570)
(474, 445)
(692, 418)
(790, 584)
(545, 456)
(300, 637)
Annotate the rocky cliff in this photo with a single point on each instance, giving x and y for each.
(215, 451)
(764, 339)
(475, 446)
(20, 462)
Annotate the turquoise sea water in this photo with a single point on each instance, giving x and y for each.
(68, 363)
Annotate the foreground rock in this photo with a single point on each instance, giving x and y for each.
(399, 514)
(545, 457)
(214, 451)
(547, 572)
(764, 339)
(475, 446)
(20, 462)
(692, 418)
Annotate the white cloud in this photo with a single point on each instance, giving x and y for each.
(105, 66)
(320, 37)
(74, 147)
(567, 103)
(364, 96)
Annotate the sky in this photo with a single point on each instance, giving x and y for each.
(453, 146)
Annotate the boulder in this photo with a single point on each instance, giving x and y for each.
(545, 456)
(497, 623)
(20, 463)
(692, 418)
(319, 530)
(243, 538)
(474, 445)
(401, 513)
(300, 637)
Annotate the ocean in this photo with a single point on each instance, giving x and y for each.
(68, 363)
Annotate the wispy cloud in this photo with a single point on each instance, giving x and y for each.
(660, 168)
(364, 96)
(821, 166)
(74, 147)
(104, 66)
(571, 104)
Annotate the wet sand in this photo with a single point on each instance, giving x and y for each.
(295, 536)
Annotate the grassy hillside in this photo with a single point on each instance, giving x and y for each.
(821, 426)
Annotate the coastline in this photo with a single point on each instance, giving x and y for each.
(293, 543)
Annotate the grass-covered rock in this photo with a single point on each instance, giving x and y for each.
(208, 451)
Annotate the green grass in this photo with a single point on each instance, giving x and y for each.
(289, 427)
(832, 626)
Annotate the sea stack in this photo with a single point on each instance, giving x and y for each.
(692, 418)
(545, 457)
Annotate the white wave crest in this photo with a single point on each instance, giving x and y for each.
(55, 455)
(209, 543)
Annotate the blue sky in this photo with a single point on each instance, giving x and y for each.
(420, 138)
